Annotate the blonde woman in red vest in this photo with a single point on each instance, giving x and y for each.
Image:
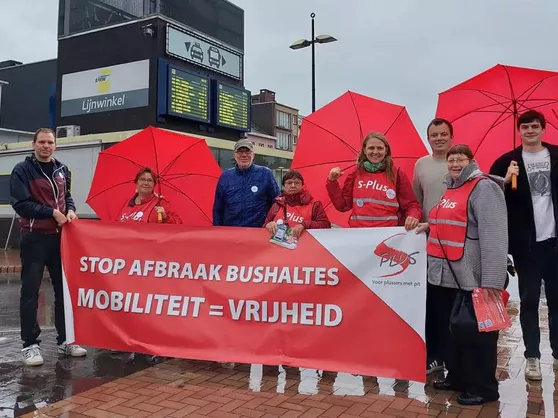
(378, 193)
(296, 206)
(146, 205)
(467, 248)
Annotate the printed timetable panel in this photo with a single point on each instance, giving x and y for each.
(233, 107)
(188, 95)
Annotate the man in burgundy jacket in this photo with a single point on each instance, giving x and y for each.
(40, 195)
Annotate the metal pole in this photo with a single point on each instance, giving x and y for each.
(313, 15)
(10, 233)
(514, 177)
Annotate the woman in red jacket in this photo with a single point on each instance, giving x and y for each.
(378, 193)
(146, 205)
(296, 207)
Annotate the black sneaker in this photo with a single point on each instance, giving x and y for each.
(434, 366)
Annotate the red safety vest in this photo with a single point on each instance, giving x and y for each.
(448, 222)
(295, 214)
(144, 212)
(375, 201)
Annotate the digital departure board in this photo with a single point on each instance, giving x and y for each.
(188, 95)
(233, 107)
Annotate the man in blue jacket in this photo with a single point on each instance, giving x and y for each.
(246, 192)
(40, 195)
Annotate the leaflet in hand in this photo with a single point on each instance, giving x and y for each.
(490, 309)
(284, 236)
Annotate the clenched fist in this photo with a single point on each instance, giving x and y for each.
(334, 174)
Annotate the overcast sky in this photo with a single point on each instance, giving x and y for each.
(401, 51)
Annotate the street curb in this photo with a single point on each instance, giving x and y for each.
(10, 269)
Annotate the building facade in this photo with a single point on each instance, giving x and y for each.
(28, 95)
(260, 139)
(276, 119)
(124, 65)
(9, 136)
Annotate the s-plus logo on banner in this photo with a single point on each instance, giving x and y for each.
(392, 258)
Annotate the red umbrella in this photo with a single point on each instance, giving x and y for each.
(484, 109)
(332, 137)
(186, 169)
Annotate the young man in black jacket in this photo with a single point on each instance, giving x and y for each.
(40, 195)
(532, 215)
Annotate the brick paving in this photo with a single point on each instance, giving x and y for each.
(183, 388)
(10, 262)
(120, 385)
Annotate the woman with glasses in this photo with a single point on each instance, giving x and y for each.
(296, 207)
(146, 205)
(467, 249)
(377, 193)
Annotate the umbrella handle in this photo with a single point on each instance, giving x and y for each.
(514, 182)
(159, 217)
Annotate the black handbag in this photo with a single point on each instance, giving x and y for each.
(463, 320)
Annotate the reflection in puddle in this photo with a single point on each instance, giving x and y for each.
(348, 384)
(309, 379)
(255, 380)
(281, 380)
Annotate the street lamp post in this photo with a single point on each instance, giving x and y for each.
(303, 43)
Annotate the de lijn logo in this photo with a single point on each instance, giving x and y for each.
(392, 257)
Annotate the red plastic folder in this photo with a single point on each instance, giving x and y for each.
(490, 309)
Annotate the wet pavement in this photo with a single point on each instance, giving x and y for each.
(26, 389)
(108, 385)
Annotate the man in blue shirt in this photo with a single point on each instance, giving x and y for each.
(245, 192)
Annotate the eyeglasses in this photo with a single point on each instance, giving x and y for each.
(144, 180)
(293, 183)
(458, 160)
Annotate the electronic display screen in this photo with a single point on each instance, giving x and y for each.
(233, 107)
(188, 95)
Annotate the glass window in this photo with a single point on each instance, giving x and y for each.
(283, 140)
(226, 159)
(272, 162)
(283, 120)
(215, 152)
